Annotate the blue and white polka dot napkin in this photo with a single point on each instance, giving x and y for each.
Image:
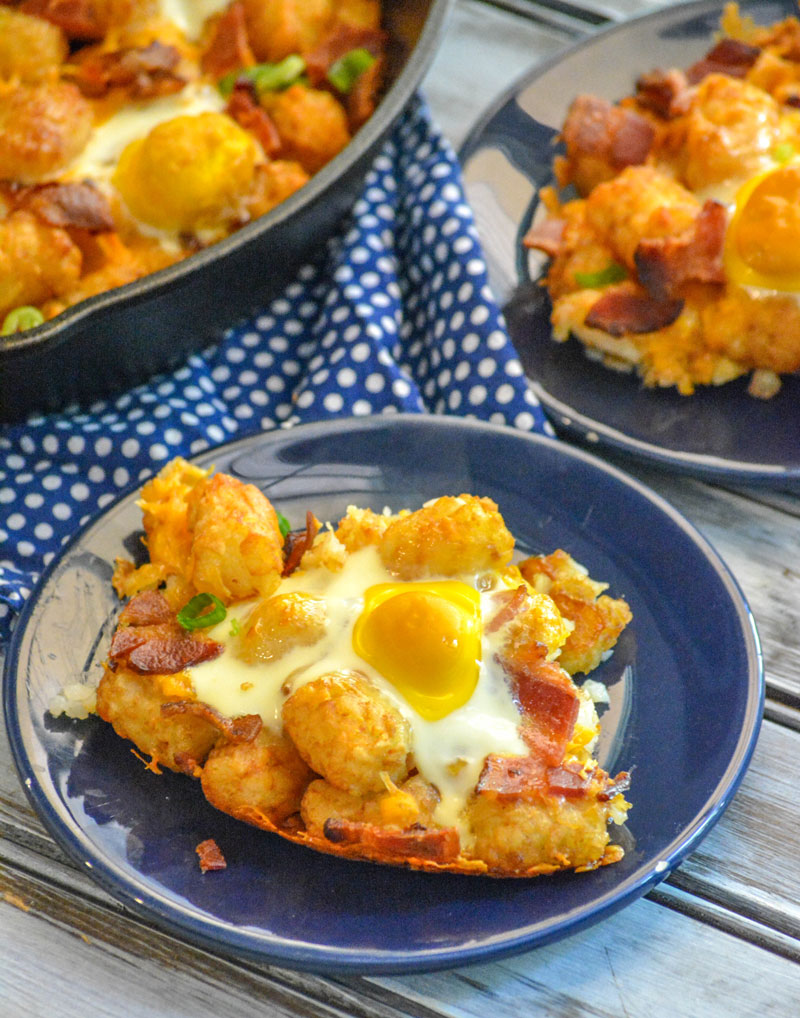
(398, 316)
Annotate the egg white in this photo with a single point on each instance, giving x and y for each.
(190, 15)
(449, 752)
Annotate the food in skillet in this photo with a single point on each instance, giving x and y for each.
(135, 132)
(393, 690)
(681, 257)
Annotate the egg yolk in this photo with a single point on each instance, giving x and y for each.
(425, 639)
(762, 246)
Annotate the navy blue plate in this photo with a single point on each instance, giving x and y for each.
(720, 433)
(685, 681)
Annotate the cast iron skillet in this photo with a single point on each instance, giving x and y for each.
(119, 338)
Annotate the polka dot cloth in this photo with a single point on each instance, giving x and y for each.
(397, 317)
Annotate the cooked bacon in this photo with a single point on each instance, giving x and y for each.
(664, 263)
(511, 603)
(338, 41)
(596, 127)
(299, 544)
(730, 56)
(525, 777)
(664, 92)
(163, 649)
(211, 858)
(229, 46)
(362, 98)
(622, 311)
(147, 608)
(242, 729)
(74, 205)
(144, 71)
(78, 19)
(546, 235)
(438, 844)
(547, 698)
(245, 110)
(620, 783)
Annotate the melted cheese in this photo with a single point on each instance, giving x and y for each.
(190, 15)
(449, 753)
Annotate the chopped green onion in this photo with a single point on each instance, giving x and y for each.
(20, 319)
(284, 524)
(344, 72)
(236, 627)
(612, 273)
(783, 153)
(266, 77)
(195, 616)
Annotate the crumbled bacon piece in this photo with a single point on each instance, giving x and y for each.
(245, 110)
(210, 855)
(621, 311)
(730, 56)
(161, 649)
(597, 127)
(340, 40)
(664, 263)
(300, 543)
(78, 19)
(229, 46)
(362, 98)
(546, 235)
(664, 92)
(144, 71)
(147, 608)
(73, 205)
(437, 844)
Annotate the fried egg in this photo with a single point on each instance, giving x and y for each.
(423, 644)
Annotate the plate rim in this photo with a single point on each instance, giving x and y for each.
(205, 931)
(566, 419)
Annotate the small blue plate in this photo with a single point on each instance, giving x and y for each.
(685, 683)
(720, 433)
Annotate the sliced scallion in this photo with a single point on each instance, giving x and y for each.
(20, 319)
(284, 524)
(612, 273)
(344, 72)
(266, 77)
(202, 611)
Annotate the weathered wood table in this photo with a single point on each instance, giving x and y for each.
(721, 936)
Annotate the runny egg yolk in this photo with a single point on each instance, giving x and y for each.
(761, 247)
(425, 639)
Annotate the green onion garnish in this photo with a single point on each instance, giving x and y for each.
(266, 77)
(783, 153)
(20, 319)
(344, 72)
(195, 616)
(236, 627)
(284, 524)
(612, 273)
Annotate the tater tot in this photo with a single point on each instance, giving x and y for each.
(237, 545)
(348, 732)
(516, 835)
(43, 127)
(37, 262)
(281, 27)
(312, 124)
(274, 182)
(282, 622)
(189, 173)
(267, 775)
(132, 704)
(453, 535)
(30, 49)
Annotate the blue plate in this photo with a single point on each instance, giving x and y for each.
(720, 433)
(685, 681)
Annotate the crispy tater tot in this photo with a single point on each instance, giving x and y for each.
(513, 836)
(43, 127)
(36, 261)
(312, 124)
(347, 731)
(450, 536)
(237, 545)
(282, 622)
(30, 49)
(266, 774)
(132, 704)
(281, 27)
